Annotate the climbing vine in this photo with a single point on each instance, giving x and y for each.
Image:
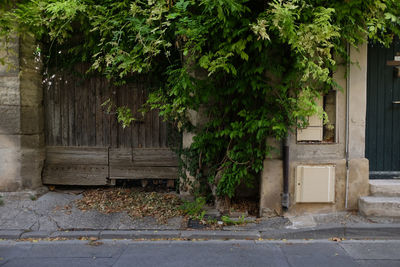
(252, 69)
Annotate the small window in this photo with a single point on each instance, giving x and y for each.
(317, 131)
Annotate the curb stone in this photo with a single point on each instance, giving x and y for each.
(10, 234)
(76, 234)
(36, 234)
(377, 231)
(137, 234)
(239, 235)
(306, 233)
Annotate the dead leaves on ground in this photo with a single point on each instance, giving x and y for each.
(337, 239)
(245, 206)
(95, 243)
(67, 209)
(136, 203)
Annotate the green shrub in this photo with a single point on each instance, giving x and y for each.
(195, 209)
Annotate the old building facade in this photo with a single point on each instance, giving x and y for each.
(325, 169)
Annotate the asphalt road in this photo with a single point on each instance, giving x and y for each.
(74, 253)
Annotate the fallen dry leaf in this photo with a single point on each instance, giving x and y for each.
(136, 203)
(56, 239)
(95, 243)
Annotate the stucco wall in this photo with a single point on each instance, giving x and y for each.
(333, 153)
(21, 120)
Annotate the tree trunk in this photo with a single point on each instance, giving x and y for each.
(222, 203)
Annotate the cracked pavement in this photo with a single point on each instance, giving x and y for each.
(57, 211)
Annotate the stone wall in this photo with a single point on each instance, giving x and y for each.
(21, 120)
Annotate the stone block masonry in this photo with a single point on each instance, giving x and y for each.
(21, 117)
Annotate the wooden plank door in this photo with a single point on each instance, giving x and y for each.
(85, 145)
(140, 151)
(383, 112)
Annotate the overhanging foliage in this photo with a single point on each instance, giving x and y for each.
(253, 67)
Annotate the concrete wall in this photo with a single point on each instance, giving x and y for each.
(332, 153)
(358, 102)
(21, 120)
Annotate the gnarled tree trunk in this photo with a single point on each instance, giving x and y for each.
(222, 203)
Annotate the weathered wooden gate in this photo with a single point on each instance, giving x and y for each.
(85, 145)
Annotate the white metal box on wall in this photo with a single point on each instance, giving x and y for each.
(315, 184)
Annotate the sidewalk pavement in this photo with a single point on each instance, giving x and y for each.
(54, 215)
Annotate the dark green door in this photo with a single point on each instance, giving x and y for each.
(383, 112)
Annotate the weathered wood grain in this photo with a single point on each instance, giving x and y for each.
(81, 137)
(75, 174)
(76, 155)
(142, 126)
(77, 120)
(124, 172)
(64, 113)
(71, 112)
(135, 126)
(143, 157)
(163, 133)
(99, 115)
(156, 129)
(56, 112)
(92, 103)
(105, 89)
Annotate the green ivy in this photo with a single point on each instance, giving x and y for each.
(253, 68)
